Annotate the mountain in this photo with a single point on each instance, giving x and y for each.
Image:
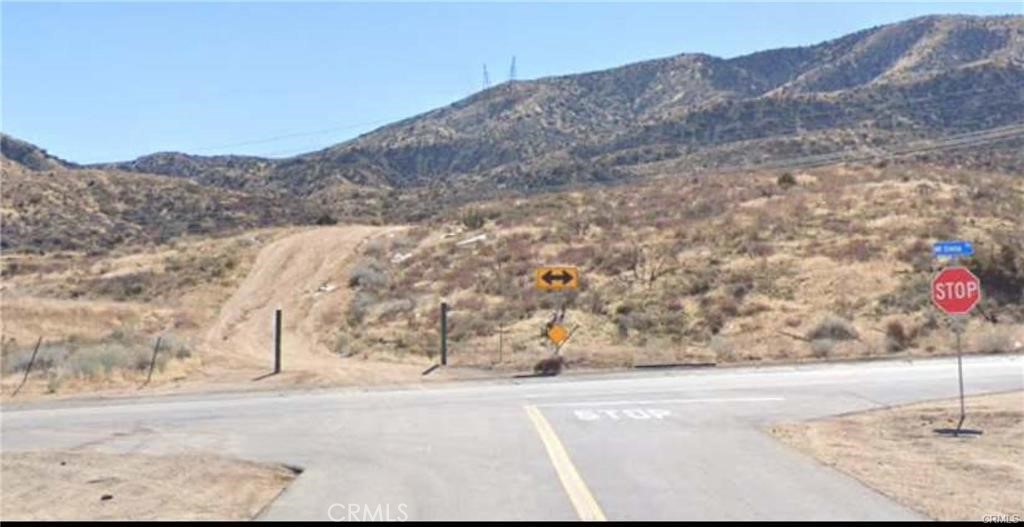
(923, 79)
(947, 89)
(49, 204)
(29, 156)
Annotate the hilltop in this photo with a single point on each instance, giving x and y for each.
(922, 79)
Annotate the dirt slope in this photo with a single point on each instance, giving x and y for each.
(305, 275)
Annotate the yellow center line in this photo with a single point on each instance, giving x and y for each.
(584, 502)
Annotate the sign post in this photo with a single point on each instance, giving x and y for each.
(958, 328)
(277, 341)
(444, 333)
(955, 291)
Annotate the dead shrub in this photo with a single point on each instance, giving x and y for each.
(833, 328)
(549, 365)
(897, 338)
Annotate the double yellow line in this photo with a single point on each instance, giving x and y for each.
(584, 502)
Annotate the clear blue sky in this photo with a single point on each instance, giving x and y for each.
(112, 81)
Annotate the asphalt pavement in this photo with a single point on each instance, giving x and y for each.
(655, 445)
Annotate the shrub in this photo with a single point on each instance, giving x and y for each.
(786, 180)
(467, 325)
(593, 302)
(359, 307)
(396, 307)
(994, 340)
(822, 347)
(368, 277)
(722, 348)
(175, 347)
(473, 219)
(897, 338)
(326, 219)
(54, 380)
(50, 356)
(833, 328)
(102, 359)
(1001, 273)
(912, 295)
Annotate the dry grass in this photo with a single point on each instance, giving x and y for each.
(727, 268)
(896, 452)
(738, 267)
(100, 315)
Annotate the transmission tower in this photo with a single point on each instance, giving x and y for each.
(487, 78)
(512, 70)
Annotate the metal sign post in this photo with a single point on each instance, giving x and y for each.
(444, 333)
(959, 322)
(277, 341)
(956, 291)
(958, 328)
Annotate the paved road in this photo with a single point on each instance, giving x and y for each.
(654, 445)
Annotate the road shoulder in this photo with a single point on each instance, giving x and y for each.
(896, 452)
(87, 485)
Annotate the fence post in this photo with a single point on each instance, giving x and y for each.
(31, 361)
(152, 362)
(277, 341)
(444, 333)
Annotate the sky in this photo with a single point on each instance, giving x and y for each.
(96, 82)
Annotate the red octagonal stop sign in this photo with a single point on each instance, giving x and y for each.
(956, 290)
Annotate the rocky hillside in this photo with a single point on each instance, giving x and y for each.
(49, 204)
(925, 78)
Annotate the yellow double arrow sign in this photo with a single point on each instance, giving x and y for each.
(557, 278)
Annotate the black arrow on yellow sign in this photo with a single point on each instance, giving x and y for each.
(557, 278)
(550, 277)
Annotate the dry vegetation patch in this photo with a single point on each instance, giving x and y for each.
(100, 315)
(743, 267)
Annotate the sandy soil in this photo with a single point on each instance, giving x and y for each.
(75, 485)
(896, 452)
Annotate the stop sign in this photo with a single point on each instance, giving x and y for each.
(956, 290)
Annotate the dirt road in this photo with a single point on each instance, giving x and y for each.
(306, 276)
